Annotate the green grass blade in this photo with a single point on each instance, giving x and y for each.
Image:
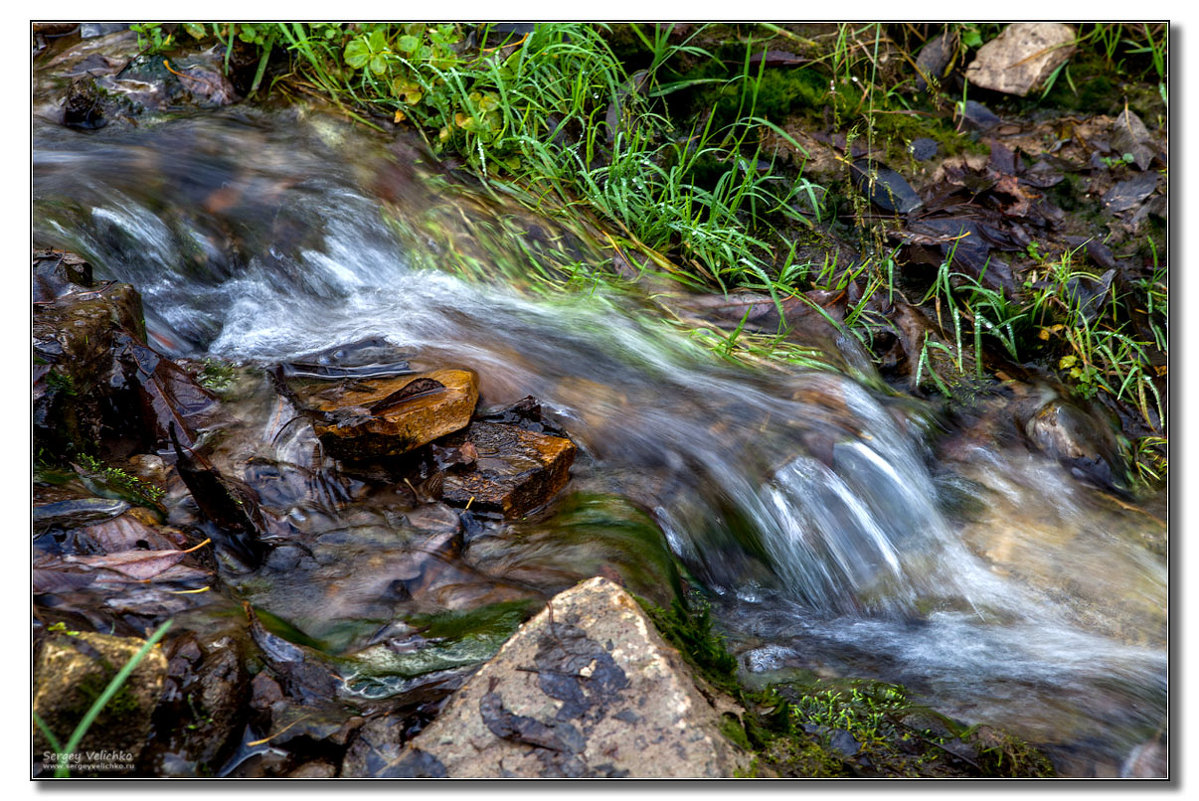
(113, 687)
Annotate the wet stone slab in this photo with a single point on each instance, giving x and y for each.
(389, 417)
(513, 471)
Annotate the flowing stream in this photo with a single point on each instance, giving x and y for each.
(988, 580)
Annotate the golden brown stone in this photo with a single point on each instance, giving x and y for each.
(391, 416)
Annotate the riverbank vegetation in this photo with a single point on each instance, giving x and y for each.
(728, 158)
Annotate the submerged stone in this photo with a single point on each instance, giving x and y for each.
(372, 357)
(587, 688)
(390, 417)
(203, 707)
(514, 470)
(1081, 440)
(588, 535)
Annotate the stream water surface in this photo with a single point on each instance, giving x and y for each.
(832, 533)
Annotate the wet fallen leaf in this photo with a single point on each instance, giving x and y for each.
(1129, 135)
(1128, 194)
(126, 533)
(208, 87)
(886, 188)
(138, 564)
(934, 57)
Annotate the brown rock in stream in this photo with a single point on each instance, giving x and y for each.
(514, 470)
(389, 417)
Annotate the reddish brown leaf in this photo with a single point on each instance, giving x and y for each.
(138, 564)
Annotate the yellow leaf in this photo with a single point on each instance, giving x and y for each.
(399, 116)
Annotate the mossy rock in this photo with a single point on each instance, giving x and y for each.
(72, 671)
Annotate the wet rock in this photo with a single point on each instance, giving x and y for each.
(94, 378)
(514, 470)
(267, 763)
(388, 417)
(205, 83)
(70, 674)
(376, 750)
(55, 29)
(90, 30)
(84, 107)
(75, 512)
(93, 61)
(55, 271)
(1149, 760)
(148, 467)
(587, 688)
(1021, 58)
(372, 357)
(317, 769)
(1001, 754)
(1081, 440)
(304, 674)
(265, 691)
(526, 413)
(74, 337)
(231, 504)
(204, 705)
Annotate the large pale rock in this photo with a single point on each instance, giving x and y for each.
(70, 674)
(389, 417)
(587, 688)
(514, 470)
(1021, 58)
